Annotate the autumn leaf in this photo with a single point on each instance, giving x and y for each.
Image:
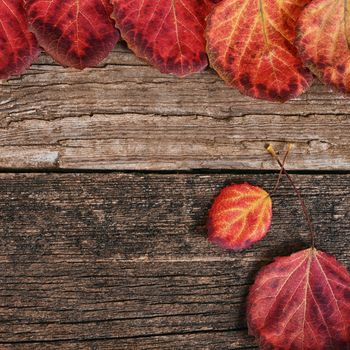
(324, 41)
(240, 215)
(169, 34)
(301, 302)
(250, 45)
(76, 33)
(18, 47)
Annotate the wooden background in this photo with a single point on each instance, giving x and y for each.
(106, 179)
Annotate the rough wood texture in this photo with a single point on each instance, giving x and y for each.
(121, 261)
(126, 115)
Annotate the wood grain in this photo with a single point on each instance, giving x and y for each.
(126, 115)
(121, 261)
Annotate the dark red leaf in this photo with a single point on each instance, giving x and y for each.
(76, 33)
(169, 34)
(18, 47)
(240, 215)
(301, 302)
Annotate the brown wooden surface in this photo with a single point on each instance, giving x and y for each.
(121, 261)
(126, 115)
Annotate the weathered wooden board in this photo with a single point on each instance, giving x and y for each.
(126, 115)
(121, 261)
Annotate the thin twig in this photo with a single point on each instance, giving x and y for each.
(306, 212)
(281, 173)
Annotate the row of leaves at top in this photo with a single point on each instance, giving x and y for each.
(261, 47)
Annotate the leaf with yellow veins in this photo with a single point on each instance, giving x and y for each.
(239, 216)
(250, 45)
(323, 41)
(169, 34)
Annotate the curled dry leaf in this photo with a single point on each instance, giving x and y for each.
(250, 45)
(18, 47)
(240, 215)
(301, 302)
(76, 33)
(169, 34)
(323, 41)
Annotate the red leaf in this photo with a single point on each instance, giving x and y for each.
(301, 302)
(169, 34)
(18, 47)
(324, 43)
(76, 33)
(250, 45)
(240, 215)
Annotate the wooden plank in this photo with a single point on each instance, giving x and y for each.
(126, 115)
(121, 261)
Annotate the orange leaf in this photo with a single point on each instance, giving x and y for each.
(301, 302)
(250, 45)
(324, 41)
(239, 216)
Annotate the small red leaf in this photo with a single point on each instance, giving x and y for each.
(250, 45)
(301, 302)
(324, 41)
(169, 34)
(76, 33)
(240, 215)
(18, 47)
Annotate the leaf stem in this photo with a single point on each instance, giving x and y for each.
(306, 212)
(281, 173)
